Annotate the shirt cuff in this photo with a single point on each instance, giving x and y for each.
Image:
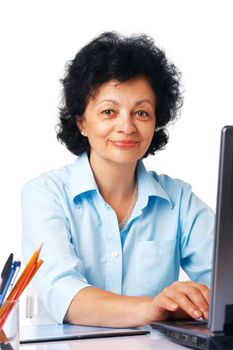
(62, 296)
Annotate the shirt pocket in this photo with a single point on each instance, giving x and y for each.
(154, 265)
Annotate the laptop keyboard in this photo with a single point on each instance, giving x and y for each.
(199, 324)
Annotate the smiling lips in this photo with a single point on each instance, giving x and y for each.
(124, 144)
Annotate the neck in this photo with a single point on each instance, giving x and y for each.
(114, 180)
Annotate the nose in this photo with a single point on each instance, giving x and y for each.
(125, 124)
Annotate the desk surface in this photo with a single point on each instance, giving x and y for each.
(152, 341)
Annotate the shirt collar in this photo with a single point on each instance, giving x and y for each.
(149, 186)
(82, 180)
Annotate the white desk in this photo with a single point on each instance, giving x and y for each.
(152, 341)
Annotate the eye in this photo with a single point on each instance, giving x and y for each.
(142, 114)
(108, 113)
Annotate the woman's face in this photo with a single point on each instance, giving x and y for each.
(119, 120)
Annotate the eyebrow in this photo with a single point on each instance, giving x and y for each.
(118, 104)
(109, 100)
(142, 101)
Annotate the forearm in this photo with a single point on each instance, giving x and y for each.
(96, 307)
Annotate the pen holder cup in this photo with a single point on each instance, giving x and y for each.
(9, 331)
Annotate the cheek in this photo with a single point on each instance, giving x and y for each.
(97, 134)
(149, 132)
(101, 130)
(149, 139)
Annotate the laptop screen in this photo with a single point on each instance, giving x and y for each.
(222, 275)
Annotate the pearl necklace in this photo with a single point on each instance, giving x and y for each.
(123, 222)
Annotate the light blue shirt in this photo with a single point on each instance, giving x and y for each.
(82, 244)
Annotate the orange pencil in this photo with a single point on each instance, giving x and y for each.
(21, 288)
(8, 308)
(39, 263)
(25, 272)
(28, 278)
(3, 337)
(24, 279)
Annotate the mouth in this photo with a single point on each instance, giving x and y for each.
(124, 144)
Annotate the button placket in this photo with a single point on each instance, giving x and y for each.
(114, 253)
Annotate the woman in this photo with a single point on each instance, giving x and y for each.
(115, 235)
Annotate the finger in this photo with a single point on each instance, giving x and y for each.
(196, 292)
(196, 297)
(200, 295)
(205, 291)
(167, 303)
(181, 299)
(163, 307)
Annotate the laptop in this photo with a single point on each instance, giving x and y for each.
(217, 333)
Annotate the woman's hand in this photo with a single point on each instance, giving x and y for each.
(182, 300)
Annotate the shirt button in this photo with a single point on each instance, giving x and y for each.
(114, 254)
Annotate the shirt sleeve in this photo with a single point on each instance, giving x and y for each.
(197, 237)
(61, 275)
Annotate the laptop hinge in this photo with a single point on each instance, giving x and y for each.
(228, 324)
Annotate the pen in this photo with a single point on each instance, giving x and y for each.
(16, 267)
(29, 271)
(17, 291)
(5, 272)
(9, 282)
(3, 286)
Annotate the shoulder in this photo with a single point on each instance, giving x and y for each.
(168, 182)
(185, 201)
(161, 186)
(172, 186)
(179, 192)
(54, 180)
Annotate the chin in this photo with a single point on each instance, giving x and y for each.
(125, 159)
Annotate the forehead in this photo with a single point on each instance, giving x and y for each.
(135, 88)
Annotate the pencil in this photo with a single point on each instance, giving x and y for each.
(29, 277)
(28, 273)
(21, 288)
(24, 274)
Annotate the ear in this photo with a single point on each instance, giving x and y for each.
(80, 124)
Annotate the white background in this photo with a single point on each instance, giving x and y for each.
(39, 37)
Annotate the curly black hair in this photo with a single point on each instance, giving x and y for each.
(112, 56)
